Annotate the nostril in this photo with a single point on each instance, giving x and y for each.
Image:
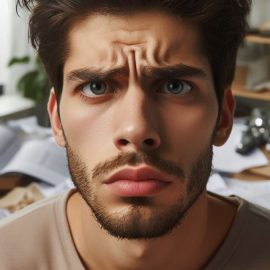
(149, 142)
(123, 142)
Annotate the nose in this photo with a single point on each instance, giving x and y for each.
(138, 122)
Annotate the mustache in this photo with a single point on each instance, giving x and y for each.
(134, 159)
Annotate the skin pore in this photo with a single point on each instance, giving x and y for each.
(138, 87)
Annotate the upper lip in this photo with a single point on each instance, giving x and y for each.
(138, 174)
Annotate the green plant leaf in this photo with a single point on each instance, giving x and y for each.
(19, 60)
(33, 84)
(26, 84)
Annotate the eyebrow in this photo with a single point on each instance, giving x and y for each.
(87, 74)
(175, 71)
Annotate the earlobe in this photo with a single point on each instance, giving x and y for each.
(225, 122)
(55, 119)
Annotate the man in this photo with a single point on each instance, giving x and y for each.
(141, 93)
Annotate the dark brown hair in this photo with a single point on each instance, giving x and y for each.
(222, 24)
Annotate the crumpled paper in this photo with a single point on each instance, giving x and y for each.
(20, 197)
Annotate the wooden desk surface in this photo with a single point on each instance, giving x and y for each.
(258, 173)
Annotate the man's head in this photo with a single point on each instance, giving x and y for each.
(138, 111)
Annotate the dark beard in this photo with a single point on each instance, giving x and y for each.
(143, 219)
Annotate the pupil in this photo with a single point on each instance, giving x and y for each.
(175, 86)
(97, 87)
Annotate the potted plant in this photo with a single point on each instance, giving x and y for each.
(34, 84)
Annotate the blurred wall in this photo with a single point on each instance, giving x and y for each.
(5, 38)
(260, 12)
(13, 43)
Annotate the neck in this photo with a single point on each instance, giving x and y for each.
(189, 246)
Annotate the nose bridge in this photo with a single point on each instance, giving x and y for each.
(137, 126)
(136, 101)
(137, 109)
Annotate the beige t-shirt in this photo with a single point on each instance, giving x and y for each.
(38, 238)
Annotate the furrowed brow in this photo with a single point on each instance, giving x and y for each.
(87, 74)
(176, 71)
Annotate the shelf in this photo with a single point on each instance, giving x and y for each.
(14, 104)
(241, 91)
(258, 39)
(238, 87)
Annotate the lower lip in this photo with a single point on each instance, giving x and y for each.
(127, 188)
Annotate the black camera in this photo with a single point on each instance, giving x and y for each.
(257, 133)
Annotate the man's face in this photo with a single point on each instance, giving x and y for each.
(137, 114)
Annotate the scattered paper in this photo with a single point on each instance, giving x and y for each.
(29, 125)
(4, 213)
(20, 197)
(216, 182)
(227, 160)
(48, 190)
(257, 192)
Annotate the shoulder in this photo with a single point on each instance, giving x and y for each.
(254, 218)
(252, 236)
(31, 231)
(256, 227)
(247, 244)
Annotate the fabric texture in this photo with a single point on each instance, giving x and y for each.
(38, 238)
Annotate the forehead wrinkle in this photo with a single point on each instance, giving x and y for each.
(130, 37)
(133, 55)
(151, 48)
(154, 53)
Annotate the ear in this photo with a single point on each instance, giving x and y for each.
(55, 119)
(225, 121)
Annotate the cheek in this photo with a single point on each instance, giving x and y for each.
(85, 129)
(188, 130)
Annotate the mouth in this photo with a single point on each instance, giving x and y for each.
(137, 182)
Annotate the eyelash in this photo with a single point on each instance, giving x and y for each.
(162, 82)
(114, 87)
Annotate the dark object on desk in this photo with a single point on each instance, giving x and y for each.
(257, 133)
(259, 32)
(1, 89)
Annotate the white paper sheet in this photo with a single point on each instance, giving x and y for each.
(227, 160)
(49, 191)
(29, 125)
(10, 143)
(42, 159)
(257, 192)
(4, 213)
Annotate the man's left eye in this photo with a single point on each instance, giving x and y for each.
(176, 87)
(95, 88)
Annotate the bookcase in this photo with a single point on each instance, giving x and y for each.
(238, 87)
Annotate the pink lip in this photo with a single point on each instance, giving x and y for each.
(137, 182)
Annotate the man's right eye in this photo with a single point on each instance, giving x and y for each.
(95, 88)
